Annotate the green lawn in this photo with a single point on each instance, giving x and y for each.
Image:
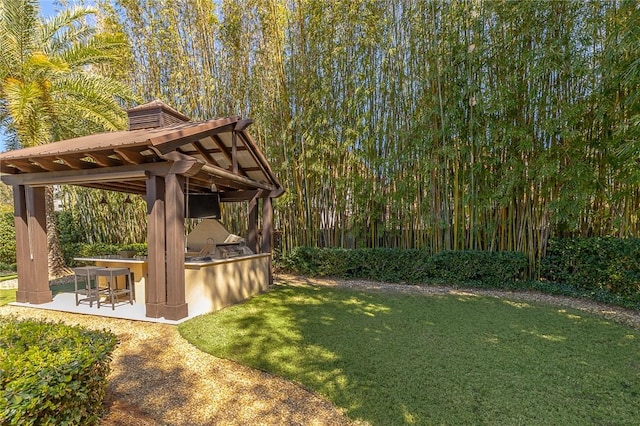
(407, 359)
(9, 276)
(7, 296)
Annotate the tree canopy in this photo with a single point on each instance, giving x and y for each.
(438, 125)
(50, 87)
(428, 124)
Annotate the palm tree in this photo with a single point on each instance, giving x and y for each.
(50, 85)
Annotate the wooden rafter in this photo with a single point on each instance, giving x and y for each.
(207, 156)
(104, 160)
(130, 156)
(51, 166)
(223, 149)
(26, 166)
(75, 162)
(168, 143)
(99, 160)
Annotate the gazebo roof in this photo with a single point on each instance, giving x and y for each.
(218, 151)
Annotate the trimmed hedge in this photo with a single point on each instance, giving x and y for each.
(484, 268)
(594, 264)
(51, 373)
(71, 250)
(602, 269)
(8, 238)
(411, 266)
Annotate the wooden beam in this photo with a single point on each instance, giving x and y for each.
(236, 196)
(4, 168)
(198, 146)
(128, 189)
(246, 181)
(220, 151)
(219, 172)
(234, 152)
(223, 149)
(183, 164)
(76, 177)
(76, 163)
(277, 192)
(260, 158)
(26, 166)
(243, 124)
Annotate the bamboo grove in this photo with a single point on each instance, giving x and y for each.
(489, 125)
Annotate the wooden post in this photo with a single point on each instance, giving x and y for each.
(234, 152)
(253, 225)
(156, 288)
(36, 254)
(176, 307)
(23, 258)
(267, 225)
(267, 231)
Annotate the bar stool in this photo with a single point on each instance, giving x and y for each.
(86, 273)
(112, 290)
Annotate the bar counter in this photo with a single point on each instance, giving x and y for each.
(210, 285)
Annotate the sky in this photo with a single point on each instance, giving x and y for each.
(47, 7)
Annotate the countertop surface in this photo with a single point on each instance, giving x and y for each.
(188, 262)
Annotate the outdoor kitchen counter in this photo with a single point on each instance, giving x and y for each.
(209, 285)
(212, 285)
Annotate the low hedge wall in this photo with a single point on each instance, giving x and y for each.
(411, 266)
(8, 238)
(51, 373)
(594, 264)
(602, 269)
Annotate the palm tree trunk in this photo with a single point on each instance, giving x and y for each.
(57, 266)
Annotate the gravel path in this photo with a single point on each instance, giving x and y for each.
(9, 283)
(160, 379)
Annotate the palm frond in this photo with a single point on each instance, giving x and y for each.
(65, 28)
(98, 51)
(29, 112)
(18, 20)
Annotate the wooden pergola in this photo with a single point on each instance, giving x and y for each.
(157, 155)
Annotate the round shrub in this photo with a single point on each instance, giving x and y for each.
(52, 373)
